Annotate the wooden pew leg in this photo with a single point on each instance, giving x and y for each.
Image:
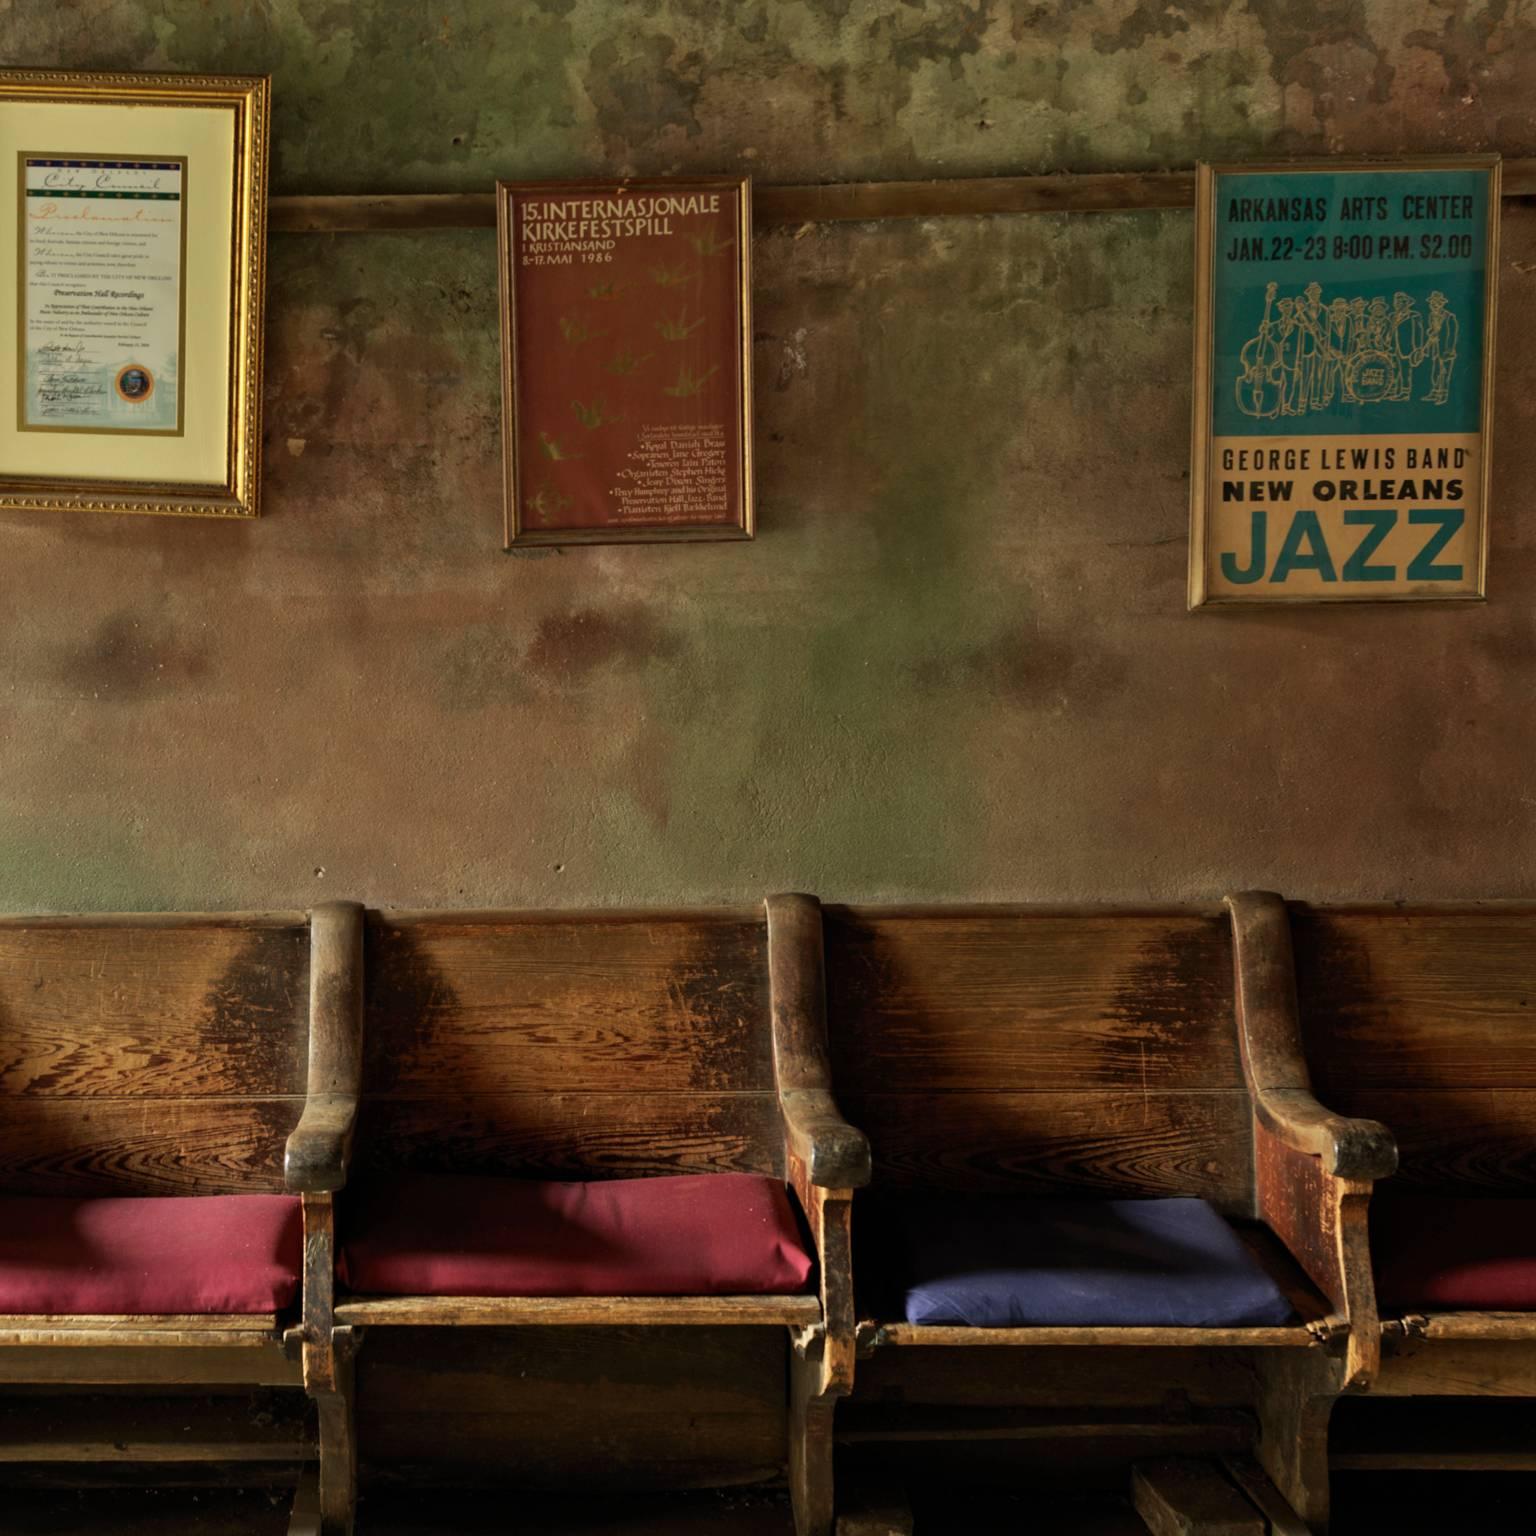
(338, 1452)
(810, 1444)
(1183, 1497)
(1296, 1398)
(304, 1520)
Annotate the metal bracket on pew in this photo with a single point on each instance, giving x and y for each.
(807, 1339)
(868, 1336)
(1329, 1331)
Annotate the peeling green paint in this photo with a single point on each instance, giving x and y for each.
(372, 95)
(954, 665)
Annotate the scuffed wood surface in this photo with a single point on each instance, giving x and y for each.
(132, 1147)
(934, 1003)
(940, 1336)
(1045, 1143)
(572, 1135)
(1191, 1498)
(575, 1045)
(834, 202)
(588, 1407)
(274, 1427)
(651, 1003)
(1413, 1000)
(567, 1311)
(186, 1008)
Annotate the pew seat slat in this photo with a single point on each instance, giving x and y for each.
(588, 1311)
(942, 1336)
(212, 1332)
(176, 1430)
(1465, 1325)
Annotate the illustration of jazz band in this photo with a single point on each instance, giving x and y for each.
(1306, 353)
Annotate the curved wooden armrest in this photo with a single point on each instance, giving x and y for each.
(1350, 1149)
(1274, 1063)
(315, 1161)
(316, 1158)
(833, 1153)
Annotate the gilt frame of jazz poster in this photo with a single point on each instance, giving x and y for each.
(1344, 337)
(626, 360)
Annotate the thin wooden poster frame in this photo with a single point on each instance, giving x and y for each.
(1205, 475)
(528, 519)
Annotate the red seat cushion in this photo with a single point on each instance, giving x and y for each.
(460, 1235)
(149, 1254)
(1434, 1252)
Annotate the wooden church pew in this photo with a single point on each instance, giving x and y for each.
(1057, 1052)
(1425, 1017)
(161, 1056)
(596, 1046)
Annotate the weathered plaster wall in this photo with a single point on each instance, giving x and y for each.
(955, 664)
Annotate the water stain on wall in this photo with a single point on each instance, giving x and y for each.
(954, 664)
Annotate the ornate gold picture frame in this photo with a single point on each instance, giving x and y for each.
(132, 275)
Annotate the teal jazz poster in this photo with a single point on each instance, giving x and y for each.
(1344, 335)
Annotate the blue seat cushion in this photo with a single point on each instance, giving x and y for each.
(1006, 1262)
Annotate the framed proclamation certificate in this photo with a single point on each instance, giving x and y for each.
(1344, 327)
(132, 230)
(626, 360)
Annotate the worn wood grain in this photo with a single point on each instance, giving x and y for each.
(539, 1002)
(1297, 1396)
(106, 1429)
(1411, 999)
(883, 1424)
(151, 1147)
(1060, 1377)
(936, 1003)
(210, 1331)
(151, 1362)
(336, 1410)
(317, 1151)
(822, 1150)
(1514, 1326)
(138, 1322)
(940, 1336)
(1191, 1498)
(1264, 1496)
(1503, 1368)
(579, 1311)
(601, 1406)
(834, 202)
(573, 1135)
(1056, 1142)
(1274, 1063)
(185, 1008)
(1457, 1139)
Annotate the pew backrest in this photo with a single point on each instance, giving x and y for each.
(569, 1044)
(1044, 1051)
(154, 1054)
(1425, 1018)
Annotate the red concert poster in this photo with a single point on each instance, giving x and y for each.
(625, 332)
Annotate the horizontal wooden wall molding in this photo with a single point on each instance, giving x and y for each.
(773, 206)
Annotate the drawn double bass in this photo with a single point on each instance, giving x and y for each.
(1261, 382)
